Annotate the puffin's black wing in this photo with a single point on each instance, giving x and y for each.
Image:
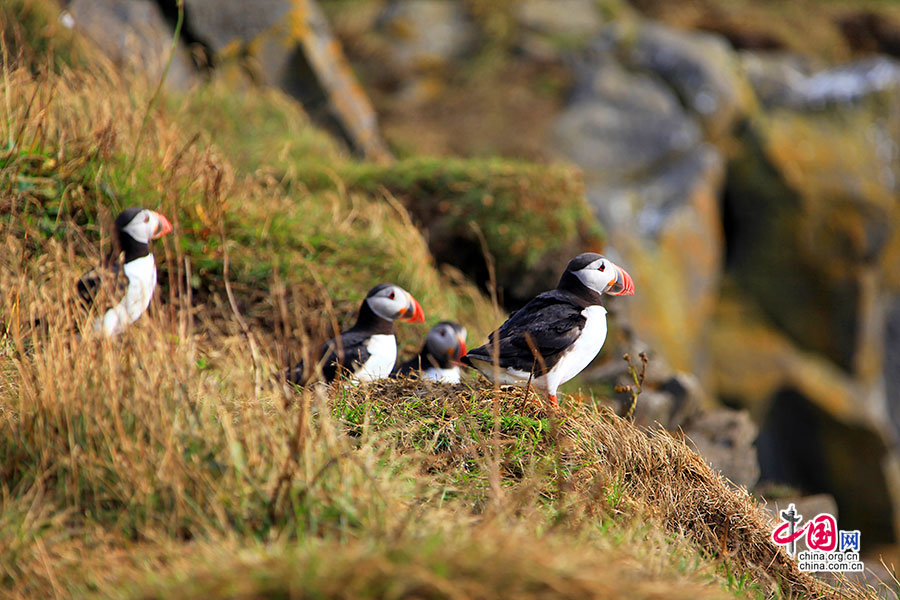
(551, 321)
(350, 353)
(94, 281)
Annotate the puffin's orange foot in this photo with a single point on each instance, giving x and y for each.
(553, 401)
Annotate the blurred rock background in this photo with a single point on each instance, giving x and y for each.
(739, 158)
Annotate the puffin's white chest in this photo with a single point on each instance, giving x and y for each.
(382, 357)
(450, 375)
(583, 350)
(141, 274)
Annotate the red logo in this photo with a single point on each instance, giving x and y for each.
(822, 533)
(822, 539)
(783, 536)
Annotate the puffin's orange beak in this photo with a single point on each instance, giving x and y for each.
(461, 350)
(163, 228)
(623, 286)
(413, 312)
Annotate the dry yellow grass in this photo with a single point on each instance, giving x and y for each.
(131, 468)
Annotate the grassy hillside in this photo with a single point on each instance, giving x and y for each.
(77, 154)
(173, 462)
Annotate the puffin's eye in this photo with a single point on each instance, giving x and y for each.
(146, 218)
(391, 296)
(602, 267)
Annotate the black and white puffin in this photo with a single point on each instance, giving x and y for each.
(439, 358)
(558, 333)
(132, 277)
(368, 350)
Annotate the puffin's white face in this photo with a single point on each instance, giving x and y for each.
(147, 225)
(445, 339)
(604, 277)
(393, 302)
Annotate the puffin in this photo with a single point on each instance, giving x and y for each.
(368, 350)
(129, 270)
(439, 358)
(559, 332)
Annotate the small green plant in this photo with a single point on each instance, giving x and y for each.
(615, 492)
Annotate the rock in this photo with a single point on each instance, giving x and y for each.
(285, 43)
(892, 361)
(620, 124)
(671, 402)
(799, 82)
(348, 102)
(549, 29)
(811, 414)
(289, 44)
(668, 398)
(133, 34)
(417, 43)
(221, 23)
(668, 232)
(850, 83)
(570, 18)
(725, 438)
(689, 396)
(808, 449)
(753, 361)
(870, 31)
(652, 407)
(426, 34)
(811, 209)
(777, 76)
(812, 215)
(700, 68)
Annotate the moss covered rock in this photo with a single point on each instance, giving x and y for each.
(135, 35)
(813, 222)
(700, 68)
(531, 218)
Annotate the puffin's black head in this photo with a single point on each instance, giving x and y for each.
(135, 227)
(391, 302)
(582, 260)
(598, 274)
(141, 225)
(446, 342)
